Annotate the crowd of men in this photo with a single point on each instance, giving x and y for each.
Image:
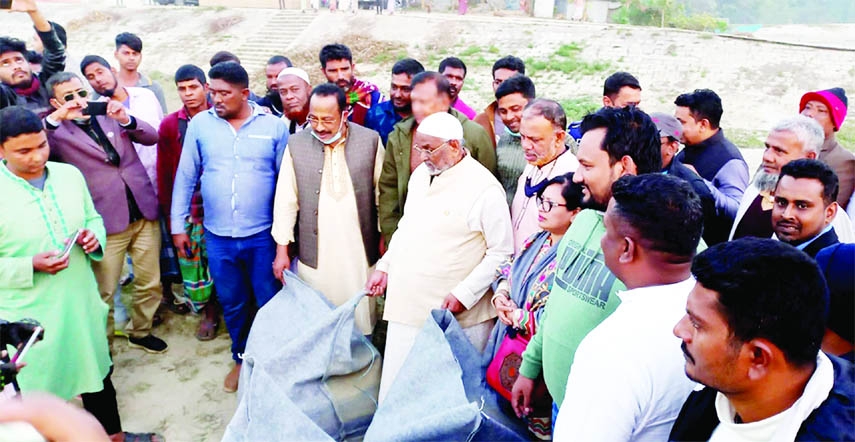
(683, 269)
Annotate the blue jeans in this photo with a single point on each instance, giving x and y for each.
(242, 270)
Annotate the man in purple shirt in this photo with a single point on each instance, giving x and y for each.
(453, 69)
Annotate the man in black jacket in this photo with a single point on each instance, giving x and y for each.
(15, 72)
(751, 334)
(715, 227)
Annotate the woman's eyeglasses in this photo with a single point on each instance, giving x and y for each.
(547, 205)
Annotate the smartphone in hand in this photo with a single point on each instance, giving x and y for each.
(72, 240)
(95, 108)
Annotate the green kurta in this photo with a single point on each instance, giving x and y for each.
(74, 357)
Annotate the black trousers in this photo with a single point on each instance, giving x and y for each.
(104, 407)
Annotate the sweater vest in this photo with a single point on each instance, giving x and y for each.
(360, 151)
(436, 249)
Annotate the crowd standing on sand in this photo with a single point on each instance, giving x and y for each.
(620, 262)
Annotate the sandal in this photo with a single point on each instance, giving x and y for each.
(143, 437)
(207, 329)
(176, 306)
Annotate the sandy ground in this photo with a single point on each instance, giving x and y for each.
(180, 393)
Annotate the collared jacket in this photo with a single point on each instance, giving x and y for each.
(107, 183)
(833, 420)
(396, 166)
(842, 162)
(487, 120)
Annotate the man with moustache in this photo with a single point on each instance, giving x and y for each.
(751, 335)
(294, 89)
(337, 66)
(430, 94)
(383, 117)
(334, 212)
(453, 69)
(615, 142)
(140, 102)
(542, 138)
(241, 148)
(100, 146)
(198, 286)
(793, 138)
(20, 86)
(272, 100)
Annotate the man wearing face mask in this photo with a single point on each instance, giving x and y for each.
(454, 234)
(334, 211)
(543, 136)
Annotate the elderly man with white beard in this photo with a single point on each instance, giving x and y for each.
(455, 232)
(791, 139)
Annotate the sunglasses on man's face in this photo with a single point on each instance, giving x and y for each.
(81, 93)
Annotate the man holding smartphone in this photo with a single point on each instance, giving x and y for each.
(15, 71)
(101, 147)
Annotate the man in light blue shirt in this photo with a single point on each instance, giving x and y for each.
(235, 149)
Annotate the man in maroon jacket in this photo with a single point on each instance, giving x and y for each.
(198, 285)
(101, 147)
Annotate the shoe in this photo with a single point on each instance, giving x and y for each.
(230, 385)
(150, 344)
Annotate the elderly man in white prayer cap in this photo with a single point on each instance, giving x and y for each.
(294, 91)
(455, 232)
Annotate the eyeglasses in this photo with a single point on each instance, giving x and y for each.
(547, 205)
(325, 121)
(81, 93)
(429, 152)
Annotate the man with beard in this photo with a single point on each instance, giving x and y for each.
(751, 335)
(140, 102)
(791, 139)
(294, 90)
(805, 205)
(241, 148)
(454, 234)
(129, 55)
(20, 85)
(615, 142)
(383, 117)
(337, 66)
(453, 69)
(430, 94)
(271, 100)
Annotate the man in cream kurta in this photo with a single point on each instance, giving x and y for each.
(339, 238)
(455, 232)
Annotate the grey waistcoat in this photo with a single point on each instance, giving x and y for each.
(308, 155)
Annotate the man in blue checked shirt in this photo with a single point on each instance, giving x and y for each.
(235, 149)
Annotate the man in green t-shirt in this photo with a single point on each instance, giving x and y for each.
(615, 142)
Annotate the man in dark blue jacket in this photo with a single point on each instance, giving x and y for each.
(751, 334)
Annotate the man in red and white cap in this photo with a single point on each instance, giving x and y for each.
(828, 108)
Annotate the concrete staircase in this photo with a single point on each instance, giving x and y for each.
(276, 37)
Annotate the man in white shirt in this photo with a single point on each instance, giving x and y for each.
(626, 381)
(751, 335)
(455, 232)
